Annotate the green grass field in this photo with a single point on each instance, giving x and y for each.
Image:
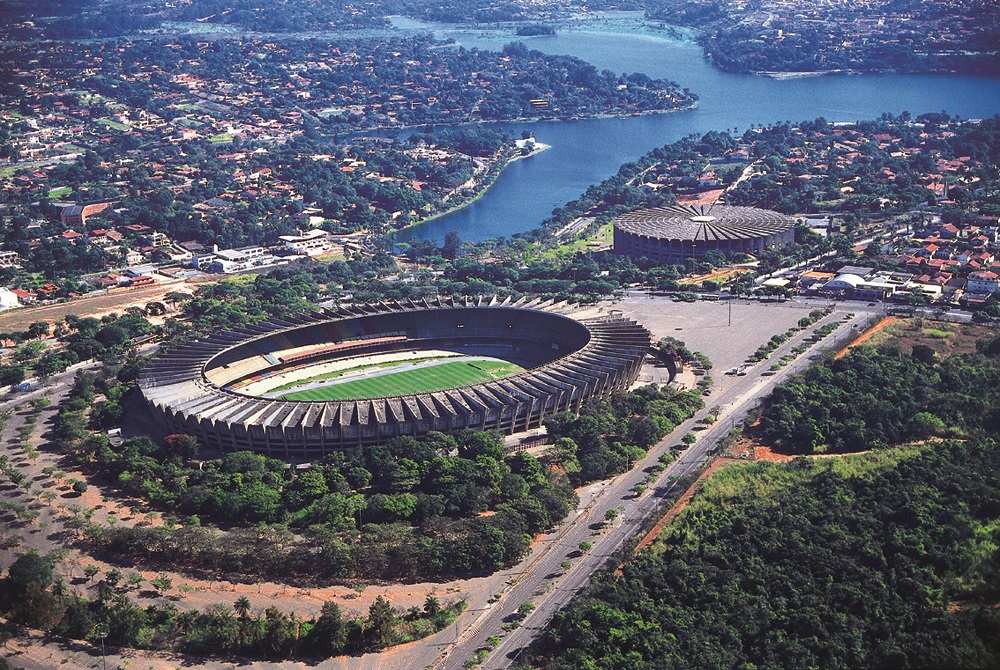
(60, 192)
(347, 371)
(113, 124)
(422, 380)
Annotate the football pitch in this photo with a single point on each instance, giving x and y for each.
(405, 382)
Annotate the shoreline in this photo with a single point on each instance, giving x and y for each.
(520, 119)
(783, 76)
(539, 148)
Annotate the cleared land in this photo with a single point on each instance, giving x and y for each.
(96, 306)
(421, 380)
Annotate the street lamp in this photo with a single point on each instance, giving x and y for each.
(101, 632)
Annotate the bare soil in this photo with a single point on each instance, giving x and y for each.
(868, 334)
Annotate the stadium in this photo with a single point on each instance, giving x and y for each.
(363, 374)
(673, 234)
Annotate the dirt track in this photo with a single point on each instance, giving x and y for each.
(867, 335)
(100, 305)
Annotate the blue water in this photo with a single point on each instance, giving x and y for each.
(586, 152)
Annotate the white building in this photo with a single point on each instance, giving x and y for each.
(8, 299)
(982, 282)
(309, 243)
(228, 261)
(844, 282)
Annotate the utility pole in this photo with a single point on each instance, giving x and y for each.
(101, 632)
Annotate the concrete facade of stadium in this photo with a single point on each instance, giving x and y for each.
(569, 354)
(673, 234)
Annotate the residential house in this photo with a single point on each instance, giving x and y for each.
(982, 281)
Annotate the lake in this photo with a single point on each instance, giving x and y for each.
(587, 152)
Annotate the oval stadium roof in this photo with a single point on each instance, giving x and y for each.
(704, 223)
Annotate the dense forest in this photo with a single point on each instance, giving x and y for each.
(874, 397)
(883, 560)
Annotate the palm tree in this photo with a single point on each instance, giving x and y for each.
(59, 589)
(242, 607)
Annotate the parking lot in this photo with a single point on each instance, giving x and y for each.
(705, 326)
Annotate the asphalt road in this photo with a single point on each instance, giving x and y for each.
(547, 585)
(540, 578)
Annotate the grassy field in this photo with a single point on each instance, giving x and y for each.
(60, 192)
(113, 124)
(422, 380)
(347, 371)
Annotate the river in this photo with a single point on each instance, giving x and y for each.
(587, 152)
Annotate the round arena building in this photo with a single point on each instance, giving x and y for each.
(673, 234)
(361, 375)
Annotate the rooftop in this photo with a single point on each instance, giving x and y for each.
(704, 222)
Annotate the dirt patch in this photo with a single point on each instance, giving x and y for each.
(868, 334)
(946, 339)
(762, 453)
(703, 198)
(96, 306)
(715, 275)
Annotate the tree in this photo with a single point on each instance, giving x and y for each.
(452, 243)
(91, 571)
(381, 624)
(175, 297)
(526, 608)
(30, 568)
(689, 438)
(584, 546)
(114, 576)
(329, 635)
(183, 446)
(242, 607)
(11, 375)
(38, 329)
(162, 583)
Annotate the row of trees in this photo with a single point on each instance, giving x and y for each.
(33, 597)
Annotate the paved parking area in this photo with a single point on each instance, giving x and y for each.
(704, 326)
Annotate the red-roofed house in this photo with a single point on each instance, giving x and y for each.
(24, 297)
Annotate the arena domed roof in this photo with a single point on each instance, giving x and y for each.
(705, 223)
